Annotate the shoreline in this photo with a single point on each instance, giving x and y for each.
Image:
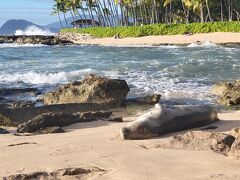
(220, 38)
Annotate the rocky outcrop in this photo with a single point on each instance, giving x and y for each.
(3, 131)
(46, 40)
(93, 89)
(229, 92)
(198, 141)
(151, 99)
(75, 38)
(72, 173)
(42, 122)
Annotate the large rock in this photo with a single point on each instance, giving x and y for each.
(229, 92)
(235, 148)
(41, 122)
(93, 89)
(150, 99)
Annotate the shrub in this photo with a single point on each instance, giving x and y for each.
(158, 29)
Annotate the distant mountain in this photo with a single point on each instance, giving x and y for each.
(10, 27)
(56, 25)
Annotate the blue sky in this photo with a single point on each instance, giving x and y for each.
(36, 11)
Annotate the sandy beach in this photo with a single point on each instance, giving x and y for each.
(217, 38)
(98, 144)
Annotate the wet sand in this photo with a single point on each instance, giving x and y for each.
(98, 144)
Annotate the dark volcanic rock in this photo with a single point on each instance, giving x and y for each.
(3, 131)
(73, 173)
(46, 40)
(47, 120)
(151, 99)
(229, 92)
(93, 89)
(14, 91)
(41, 122)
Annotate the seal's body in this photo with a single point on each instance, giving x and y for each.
(166, 119)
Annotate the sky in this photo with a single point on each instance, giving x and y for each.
(36, 11)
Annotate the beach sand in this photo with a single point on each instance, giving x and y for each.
(217, 38)
(98, 144)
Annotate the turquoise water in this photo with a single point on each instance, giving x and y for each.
(182, 74)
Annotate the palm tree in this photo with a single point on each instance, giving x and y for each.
(56, 11)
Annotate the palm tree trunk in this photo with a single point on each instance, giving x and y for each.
(60, 22)
(208, 10)
(222, 18)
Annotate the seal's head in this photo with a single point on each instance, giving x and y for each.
(143, 127)
(138, 132)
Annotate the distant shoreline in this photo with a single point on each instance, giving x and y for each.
(220, 38)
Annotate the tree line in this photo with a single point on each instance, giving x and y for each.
(110, 13)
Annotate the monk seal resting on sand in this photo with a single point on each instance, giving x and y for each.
(165, 119)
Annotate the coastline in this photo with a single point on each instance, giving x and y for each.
(98, 144)
(221, 38)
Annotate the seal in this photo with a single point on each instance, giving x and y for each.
(166, 119)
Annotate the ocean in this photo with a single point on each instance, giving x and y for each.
(183, 75)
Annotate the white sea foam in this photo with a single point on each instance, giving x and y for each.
(202, 44)
(33, 30)
(14, 45)
(44, 78)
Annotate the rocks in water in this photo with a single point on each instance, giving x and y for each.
(73, 173)
(151, 99)
(3, 131)
(229, 92)
(41, 123)
(93, 89)
(14, 91)
(36, 39)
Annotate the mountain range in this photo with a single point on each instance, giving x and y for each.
(11, 26)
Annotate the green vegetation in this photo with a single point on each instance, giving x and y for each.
(158, 29)
(109, 13)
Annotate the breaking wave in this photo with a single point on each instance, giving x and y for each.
(34, 30)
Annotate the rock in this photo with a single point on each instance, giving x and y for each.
(4, 121)
(235, 149)
(229, 92)
(222, 143)
(198, 141)
(235, 132)
(115, 119)
(3, 131)
(36, 39)
(14, 91)
(47, 120)
(30, 176)
(93, 89)
(50, 130)
(19, 104)
(151, 99)
(72, 173)
(41, 122)
(220, 87)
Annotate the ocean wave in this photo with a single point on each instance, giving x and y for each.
(44, 78)
(34, 30)
(202, 44)
(14, 45)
